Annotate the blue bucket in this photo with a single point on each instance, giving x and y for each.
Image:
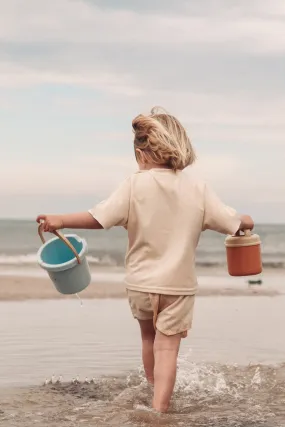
(64, 258)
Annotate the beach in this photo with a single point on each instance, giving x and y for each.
(142, 126)
(31, 288)
(38, 286)
(230, 372)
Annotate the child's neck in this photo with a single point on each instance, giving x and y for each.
(149, 166)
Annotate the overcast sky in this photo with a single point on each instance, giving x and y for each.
(74, 73)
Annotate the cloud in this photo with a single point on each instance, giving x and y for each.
(22, 76)
(130, 51)
(98, 175)
(84, 175)
(207, 116)
(220, 65)
(101, 175)
(73, 74)
(261, 8)
(82, 22)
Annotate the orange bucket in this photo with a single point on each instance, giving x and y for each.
(244, 254)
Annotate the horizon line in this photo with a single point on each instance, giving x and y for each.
(33, 220)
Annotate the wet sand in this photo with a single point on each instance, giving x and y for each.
(17, 288)
(233, 397)
(230, 372)
(27, 288)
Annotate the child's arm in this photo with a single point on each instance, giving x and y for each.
(83, 220)
(222, 218)
(111, 212)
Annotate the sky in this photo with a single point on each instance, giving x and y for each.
(74, 73)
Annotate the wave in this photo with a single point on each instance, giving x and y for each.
(266, 264)
(114, 260)
(31, 259)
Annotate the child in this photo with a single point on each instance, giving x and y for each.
(164, 211)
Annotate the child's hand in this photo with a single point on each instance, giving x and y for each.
(51, 222)
(246, 223)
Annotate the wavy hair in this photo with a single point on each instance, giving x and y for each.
(163, 140)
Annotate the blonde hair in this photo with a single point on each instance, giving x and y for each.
(163, 140)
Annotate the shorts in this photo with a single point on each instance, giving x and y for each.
(171, 314)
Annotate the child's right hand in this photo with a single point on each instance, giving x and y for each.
(50, 222)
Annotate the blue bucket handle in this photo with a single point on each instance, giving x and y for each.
(61, 237)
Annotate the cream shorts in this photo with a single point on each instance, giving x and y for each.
(171, 314)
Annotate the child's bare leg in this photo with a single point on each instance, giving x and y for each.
(148, 336)
(166, 350)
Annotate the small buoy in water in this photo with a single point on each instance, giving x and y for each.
(255, 282)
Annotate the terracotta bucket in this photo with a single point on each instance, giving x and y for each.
(244, 254)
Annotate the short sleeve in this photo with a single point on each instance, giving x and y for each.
(114, 211)
(217, 216)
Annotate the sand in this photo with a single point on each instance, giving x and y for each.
(17, 288)
(23, 288)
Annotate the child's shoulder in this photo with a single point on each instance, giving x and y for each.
(186, 178)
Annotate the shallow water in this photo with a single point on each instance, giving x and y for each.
(231, 370)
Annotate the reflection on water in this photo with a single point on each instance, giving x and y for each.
(230, 370)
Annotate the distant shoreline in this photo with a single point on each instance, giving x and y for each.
(17, 288)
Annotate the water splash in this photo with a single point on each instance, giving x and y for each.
(81, 302)
(206, 394)
(256, 380)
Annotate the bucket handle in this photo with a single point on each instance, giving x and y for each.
(61, 237)
(246, 233)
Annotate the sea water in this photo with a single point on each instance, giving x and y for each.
(231, 369)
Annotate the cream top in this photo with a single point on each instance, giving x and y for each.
(164, 213)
